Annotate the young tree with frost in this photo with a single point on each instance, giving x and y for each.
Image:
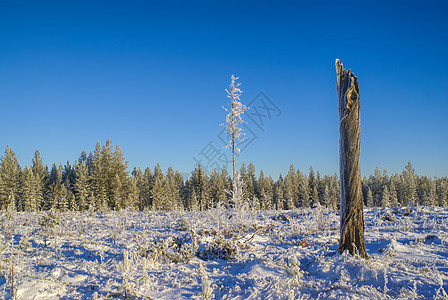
(234, 118)
(235, 133)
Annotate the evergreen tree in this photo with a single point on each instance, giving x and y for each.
(133, 195)
(369, 201)
(442, 192)
(315, 197)
(173, 191)
(385, 197)
(28, 196)
(179, 183)
(200, 183)
(82, 188)
(326, 197)
(304, 198)
(193, 202)
(311, 186)
(70, 197)
(215, 187)
(409, 182)
(144, 186)
(98, 179)
(279, 194)
(250, 182)
(157, 192)
(9, 177)
(291, 188)
(40, 173)
(393, 192)
(120, 188)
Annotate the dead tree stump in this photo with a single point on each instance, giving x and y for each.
(351, 211)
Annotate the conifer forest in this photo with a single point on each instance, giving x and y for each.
(100, 181)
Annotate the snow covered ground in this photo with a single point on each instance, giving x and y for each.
(224, 254)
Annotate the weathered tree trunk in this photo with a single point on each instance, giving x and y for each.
(352, 220)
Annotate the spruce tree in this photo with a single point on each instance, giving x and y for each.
(157, 192)
(81, 186)
(303, 193)
(369, 198)
(291, 188)
(10, 177)
(393, 192)
(311, 186)
(40, 173)
(28, 196)
(279, 194)
(385, 197)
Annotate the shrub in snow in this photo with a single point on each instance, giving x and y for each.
(220, 248)
(8, 223)
(171, 250)
(206, 284)
(125, 268)
(24, 243)
(294, 270)
(48, 222)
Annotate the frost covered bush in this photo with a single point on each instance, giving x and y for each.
(221, 248)
(48, 222)
(294, 270)
(206, 283)
(125, 268)
(171, 250)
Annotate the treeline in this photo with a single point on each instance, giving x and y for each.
(101, 181)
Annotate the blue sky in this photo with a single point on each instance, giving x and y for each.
(151, 75)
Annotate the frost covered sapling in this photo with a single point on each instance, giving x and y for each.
(233, 124)
(49, 221)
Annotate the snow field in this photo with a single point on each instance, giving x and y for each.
(222, 254)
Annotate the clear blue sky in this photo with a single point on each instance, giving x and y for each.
(151, 75)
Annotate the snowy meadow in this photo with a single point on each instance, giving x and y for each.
(222, 254)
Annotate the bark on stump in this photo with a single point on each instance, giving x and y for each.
(351, 211)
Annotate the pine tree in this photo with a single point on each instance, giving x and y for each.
(173, 192)
(118, 170)
(279, 194)
(265, 191)
(144, 187)
(311, 187)
(326, 197)
(393, 193)
(304, 198)
(28, 196)
(250, 181)
(157, 192)
(72, 205)
(369, 198)
(385, 197)
(179, 184)
(81, 187)
(215, 187)
(291, 188)
(56, 191)
(41, 175)
(200, 183)
(133, 194)
(97, 179)
(10, 177)
(442, 192)
(116, 200)
(193, 202)
(409, 182)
